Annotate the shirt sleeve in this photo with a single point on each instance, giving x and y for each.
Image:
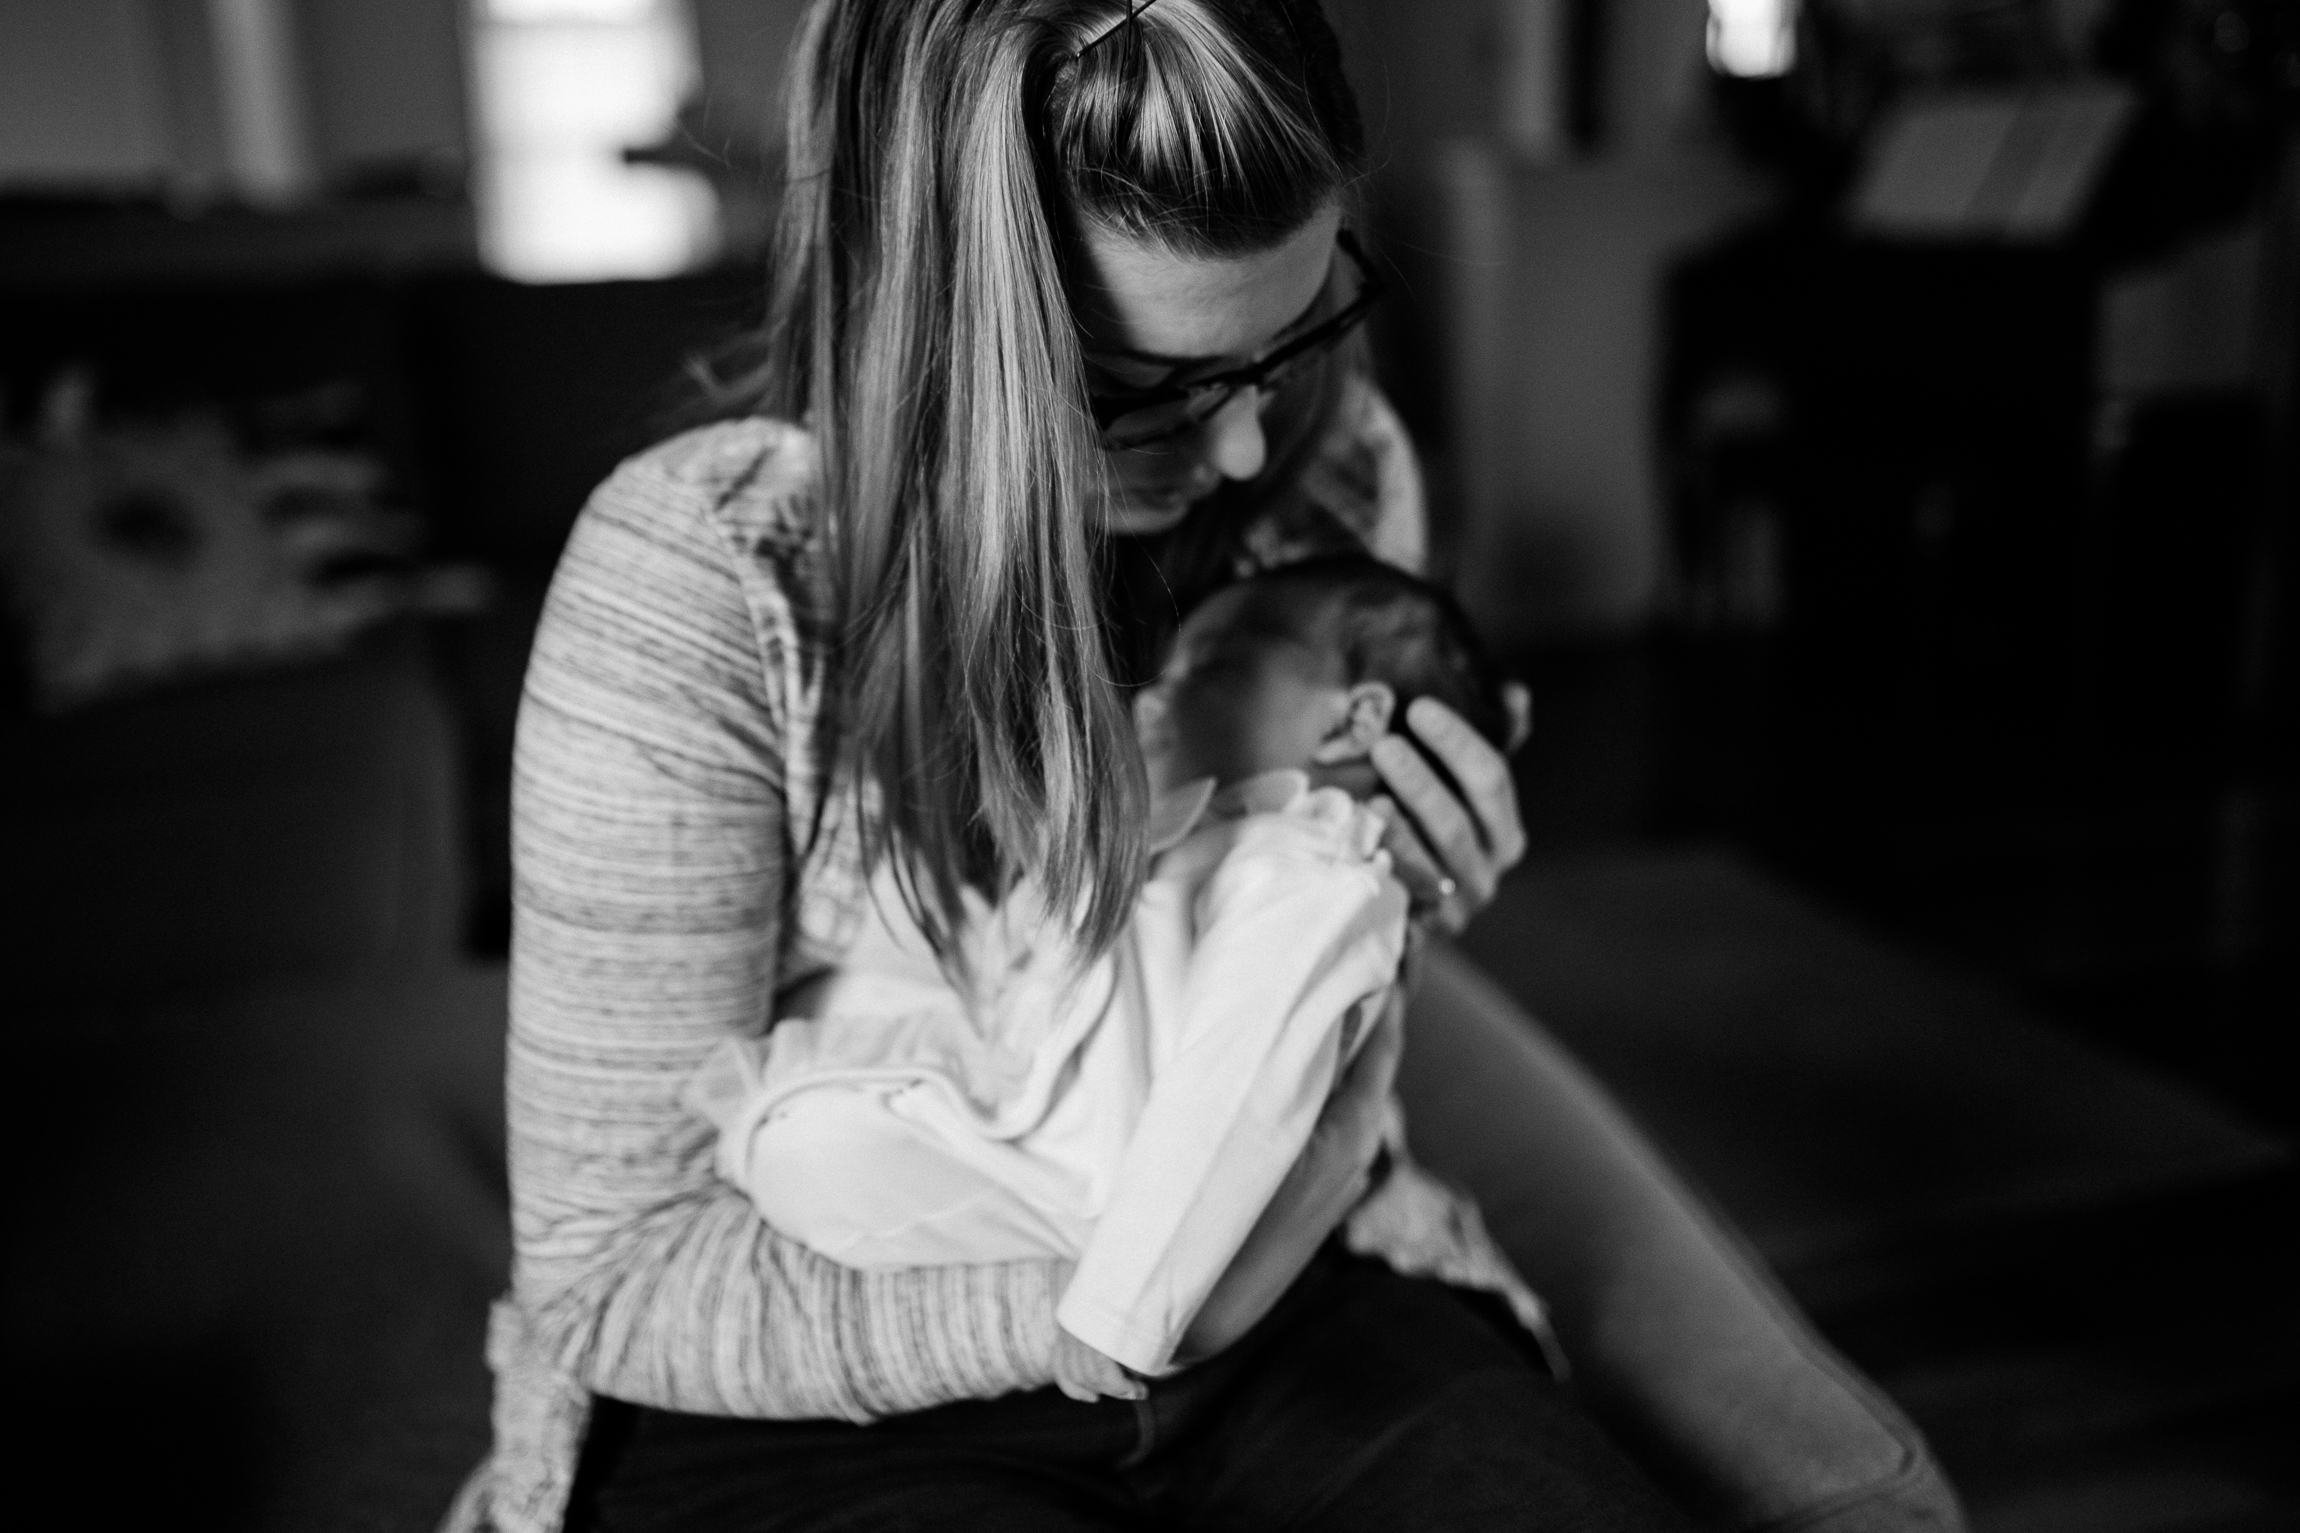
(1360, 492)
(650, 861)
(1374, 454)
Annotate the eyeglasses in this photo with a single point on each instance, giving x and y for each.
(1147, 417)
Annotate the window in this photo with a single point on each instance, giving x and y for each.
(1752, 38)
(563, 88)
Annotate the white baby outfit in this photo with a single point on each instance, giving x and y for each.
(1134, 1115)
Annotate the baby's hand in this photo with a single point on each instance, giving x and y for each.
(1085, 1374)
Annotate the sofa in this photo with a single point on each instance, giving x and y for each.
(266, 1209)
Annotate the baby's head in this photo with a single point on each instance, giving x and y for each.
(1307, 666)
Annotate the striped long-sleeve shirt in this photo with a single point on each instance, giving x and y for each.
(677, 863)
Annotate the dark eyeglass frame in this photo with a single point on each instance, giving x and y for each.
(1205, 397)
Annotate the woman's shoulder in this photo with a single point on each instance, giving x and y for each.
(1361, 489)
(754, 477)
(714, 525)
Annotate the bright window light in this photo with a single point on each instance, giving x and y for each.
(1753, 39)
(568, 10)
(564, 88)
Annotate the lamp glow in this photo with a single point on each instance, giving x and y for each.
(1753, 39)
(564, 87)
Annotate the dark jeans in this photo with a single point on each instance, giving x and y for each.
(1365, 1401)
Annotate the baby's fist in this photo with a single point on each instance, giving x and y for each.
(1085, 1374)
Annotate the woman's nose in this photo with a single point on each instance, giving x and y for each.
(1233, 436)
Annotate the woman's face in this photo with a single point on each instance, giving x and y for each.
(1151, 317)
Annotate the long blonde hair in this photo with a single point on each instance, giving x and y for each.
(918, 324)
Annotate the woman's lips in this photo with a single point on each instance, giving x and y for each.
(1138, 513)
(1146, 510)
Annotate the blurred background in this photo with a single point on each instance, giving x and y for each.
(1867, 423)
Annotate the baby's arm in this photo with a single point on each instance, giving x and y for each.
(1289, 941)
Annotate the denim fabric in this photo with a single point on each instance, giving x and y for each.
(1366, 1401)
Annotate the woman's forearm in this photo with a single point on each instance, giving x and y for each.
(704, 1308)
(657, 1282)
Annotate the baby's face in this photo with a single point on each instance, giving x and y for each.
(1238, 696)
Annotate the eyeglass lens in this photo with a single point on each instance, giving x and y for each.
(1139, 427)
(1170, 417)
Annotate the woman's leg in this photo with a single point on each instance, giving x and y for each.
(1034, 1463)
(1366, 1403)
(1391, 1402)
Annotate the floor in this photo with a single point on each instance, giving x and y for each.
(2136, 1371)
(2155, 915)
(2069, 1271)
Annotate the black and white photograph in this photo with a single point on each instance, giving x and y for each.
(1152, 766)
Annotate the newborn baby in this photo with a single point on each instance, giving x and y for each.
(1305, 666)
(1133, 1115)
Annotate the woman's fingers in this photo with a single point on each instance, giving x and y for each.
(1482, 771)
(1465, 841)
(1439, 902)
(1518, 701)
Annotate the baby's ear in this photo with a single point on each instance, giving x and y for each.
(1365, 718)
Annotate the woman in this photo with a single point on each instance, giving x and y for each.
(1059, 340)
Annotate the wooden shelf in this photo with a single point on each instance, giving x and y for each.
(68, 247)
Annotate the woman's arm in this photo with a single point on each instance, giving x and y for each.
(650, 885)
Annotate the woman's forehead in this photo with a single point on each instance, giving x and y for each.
(1137, 298)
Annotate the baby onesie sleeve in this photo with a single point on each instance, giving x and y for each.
(652, 873)
(1288, 940)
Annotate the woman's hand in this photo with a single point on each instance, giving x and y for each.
(1328, 1179)
(1451, 850)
